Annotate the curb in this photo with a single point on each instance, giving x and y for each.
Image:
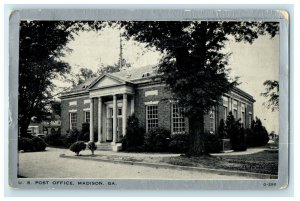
(178, 167)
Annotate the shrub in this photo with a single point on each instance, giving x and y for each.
(236, 133)
(250, 137)
(240, 144)
(157, 139)
(85, 132)
(257, 135)
(54, 139)
(261, 133)
(34, 144)
(58, 131)
(221, 130)
(134, 135)
(212, 143)
(38, 144)
(140, 148)
(77, 147)
(52, 131)
(92, 146)
(25, 144)
(179, 143)
(71, 137)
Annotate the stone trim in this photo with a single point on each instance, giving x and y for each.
(86, 101)
(151, 93)
(151, 103)
(72, 103)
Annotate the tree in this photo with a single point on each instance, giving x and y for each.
(113, 68)
(81, 77)
(135, 133)
(109, 68)
(55, 107)
(272, 93)
(42, 43)
(194, 65)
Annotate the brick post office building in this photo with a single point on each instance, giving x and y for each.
(106, 102)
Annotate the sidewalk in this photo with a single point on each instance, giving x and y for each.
(240, 153)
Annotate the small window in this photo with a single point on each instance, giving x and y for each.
(151, 117)
(73, 120)
(178, 123)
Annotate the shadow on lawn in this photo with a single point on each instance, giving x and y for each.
(265, 162)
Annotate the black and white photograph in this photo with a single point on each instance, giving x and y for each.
(176, 100)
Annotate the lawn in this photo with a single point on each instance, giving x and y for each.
(265, 162)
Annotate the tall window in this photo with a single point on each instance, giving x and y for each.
(73, 120)
(178, 124)
(225, 107)
(250, 120)
(235, 109)
(243, 113)
(87, 116)
(212, 120)
(151, 117)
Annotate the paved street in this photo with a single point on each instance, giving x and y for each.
(48, 164)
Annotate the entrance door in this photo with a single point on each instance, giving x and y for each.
(109, 125)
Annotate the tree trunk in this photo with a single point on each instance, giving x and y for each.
(197, 136)
(24, 123)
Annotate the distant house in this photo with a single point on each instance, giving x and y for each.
(106, 101)
(44, 128)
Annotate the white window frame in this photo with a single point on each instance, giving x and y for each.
(70, 117)
(85, 116)
(225, 105)
(235, 109)
(155, 120)
(225, 112)
(250, 119)
(212, 120)
(243, 114)
(180, 120)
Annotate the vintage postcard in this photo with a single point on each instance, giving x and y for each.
(149, 99)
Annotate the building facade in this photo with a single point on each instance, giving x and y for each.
(106, 102)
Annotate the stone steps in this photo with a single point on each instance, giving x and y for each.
(104, 147)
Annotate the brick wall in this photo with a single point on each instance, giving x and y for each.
(154, 93)
(240, 99)
(164, 105)
(65, 114)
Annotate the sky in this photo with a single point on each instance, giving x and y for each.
(252, 63)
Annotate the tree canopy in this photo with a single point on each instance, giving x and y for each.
(272, 94)
(194, 65)
(41, 45)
